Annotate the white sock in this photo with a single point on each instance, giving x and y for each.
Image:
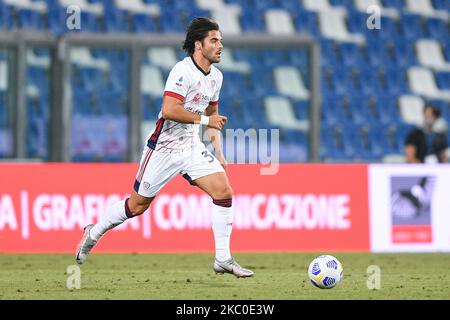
(114, 216)
(222, 223)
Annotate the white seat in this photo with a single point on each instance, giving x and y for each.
(279, 112)
(421, 81)
(3, 76)
(425, 7)
(138, 6)
(37, 61)
(411, 109)
(394, 158)
(362, 5)
(228, 20)
(429, 53)
(333, 26)
(164, 57)
(95, 8)
(227, 63)
(322, 6)
(289, 82)
(151, 81)
(32, 91)
(40, 6)
(83, 57)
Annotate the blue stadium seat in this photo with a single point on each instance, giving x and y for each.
(29, 19)
(89, 22)
(404, 53)
(396, 4)
(143, 23)
(441, 4)
(350, 54)
(170, 22)
(412, 26)
(5, 16)
(115, 20)
(437, 28)
(252, 21)
(443, 80)
(56, 19)
(306, 21)
(395, 81)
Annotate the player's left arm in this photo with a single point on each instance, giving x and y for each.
(215, 135)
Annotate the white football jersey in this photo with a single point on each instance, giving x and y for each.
(197, 90)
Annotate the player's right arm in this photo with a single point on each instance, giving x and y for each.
(172, 109)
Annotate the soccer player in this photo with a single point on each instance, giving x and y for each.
(190, 99)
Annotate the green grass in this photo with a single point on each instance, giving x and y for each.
(190, 276)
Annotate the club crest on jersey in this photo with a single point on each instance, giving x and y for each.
(197, 98)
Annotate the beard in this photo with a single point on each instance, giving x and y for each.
(212, 58)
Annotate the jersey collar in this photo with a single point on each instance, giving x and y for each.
(199, 68)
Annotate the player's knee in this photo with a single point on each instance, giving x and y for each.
(137, 209)
(224, 193)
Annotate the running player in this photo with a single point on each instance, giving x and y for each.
(190, 99)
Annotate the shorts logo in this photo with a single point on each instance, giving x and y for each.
(146, 185)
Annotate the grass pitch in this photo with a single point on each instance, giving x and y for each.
(190, 276)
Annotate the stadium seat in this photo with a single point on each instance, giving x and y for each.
(422, 82)
(321, 6)
(411, 109)
(138, 6)
(143, 22)
(289, 82)
(430, 54)
(425, 7)
(279, 21)
(228, 19)
(85, 6)
(333, 26)
(363, 5)
(151, 81)
(411, 26)
(280, 113)
(443, 80)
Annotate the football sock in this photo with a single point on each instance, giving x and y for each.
(222, 223)
(115, 215)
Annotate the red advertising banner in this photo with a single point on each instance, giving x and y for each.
(310, 207)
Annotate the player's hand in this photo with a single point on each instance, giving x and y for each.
(217, 121)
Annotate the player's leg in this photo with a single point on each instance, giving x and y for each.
(154, 172)
(218, 187)
(115, 215)
(120, 211)
(204, 171)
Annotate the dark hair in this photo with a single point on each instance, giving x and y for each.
(434, 109)
(197, 31)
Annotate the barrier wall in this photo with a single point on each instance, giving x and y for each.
(43, 208)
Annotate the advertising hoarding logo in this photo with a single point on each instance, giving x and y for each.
(411, 209)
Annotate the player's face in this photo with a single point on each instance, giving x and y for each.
(212, 46)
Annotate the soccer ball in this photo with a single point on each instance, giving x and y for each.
(325, 272)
